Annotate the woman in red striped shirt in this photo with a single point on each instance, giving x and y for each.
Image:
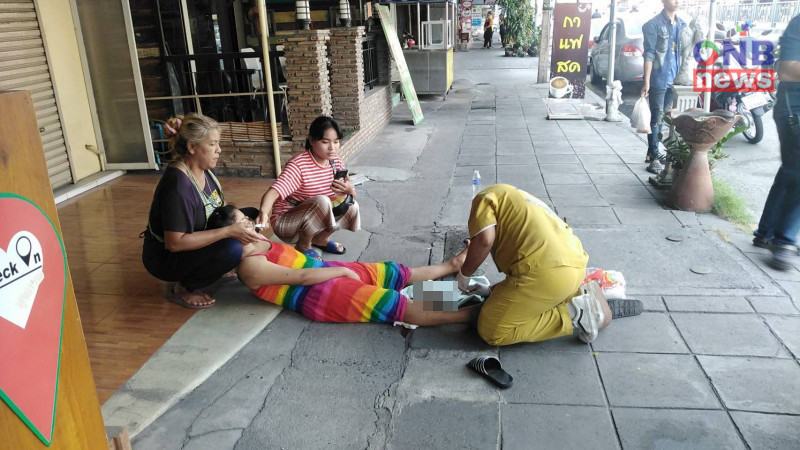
(299, 205)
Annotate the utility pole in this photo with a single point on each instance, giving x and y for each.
(543, 74)
(612, 114)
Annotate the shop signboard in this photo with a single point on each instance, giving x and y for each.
(571, 27)
(402, 68)
(33, 273)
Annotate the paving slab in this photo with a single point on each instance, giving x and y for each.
(686, 218)
(755, 384)
(553, 150)
(675, 428)
(621, 169)
(728, 334)
(476, 151)
(708, 304)
(528, 170)
(522, 160)
(486, 170)
(447, 424)
(558, 159)
(793, 289)
(617, 179)
(599, 159)
(650, 332)
(638, 216)
(566, 178)
(477, 160)
(768, 430)
(584, 200)
(460, 337)
(518, 150)
(560, 168)
(512, 135)
(657, 381)
(551, 377)
(480, 130)
(589, 215)
(597, 149)
(609, 191)
(788, 330)
(440, 374)
(556, 427)
(651, 302)
(631, 251)
(773, 305)
(274, 344)
(571, 190)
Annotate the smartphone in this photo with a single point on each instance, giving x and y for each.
(340, 174)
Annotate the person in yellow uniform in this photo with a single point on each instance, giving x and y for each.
(544, 263)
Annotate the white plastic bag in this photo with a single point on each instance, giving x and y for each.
(640, 119)
(611, 281)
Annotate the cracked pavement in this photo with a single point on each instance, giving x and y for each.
(712, 363)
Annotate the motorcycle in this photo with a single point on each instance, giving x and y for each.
(751, 106)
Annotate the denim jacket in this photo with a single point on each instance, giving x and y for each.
(658, 47)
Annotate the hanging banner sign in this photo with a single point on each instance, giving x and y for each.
(33, 274)
(571, 27)
(397, 53)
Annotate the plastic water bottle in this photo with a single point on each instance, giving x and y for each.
(476, 183)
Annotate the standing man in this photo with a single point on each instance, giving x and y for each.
(662, 47)
(780, 220)
(488, 31)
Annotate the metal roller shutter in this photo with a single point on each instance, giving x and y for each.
(23, 66)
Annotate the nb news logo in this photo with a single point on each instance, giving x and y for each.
(712, 77)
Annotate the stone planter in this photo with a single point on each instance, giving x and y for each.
(692, 189)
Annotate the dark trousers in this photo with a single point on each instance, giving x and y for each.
(660, 100)
(193, 269)
(780, 220)
(487, 37)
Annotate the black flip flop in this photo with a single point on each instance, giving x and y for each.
(489, 367)
(625, 307)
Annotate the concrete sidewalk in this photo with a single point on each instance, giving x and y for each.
(712, 363)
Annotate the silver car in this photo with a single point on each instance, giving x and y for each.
(629, 54)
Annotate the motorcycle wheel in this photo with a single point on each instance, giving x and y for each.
(755, 133)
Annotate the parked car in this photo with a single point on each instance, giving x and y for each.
(629, 52)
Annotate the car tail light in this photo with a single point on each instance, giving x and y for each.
(631, 50)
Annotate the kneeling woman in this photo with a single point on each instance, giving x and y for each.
(298, 206)
(335, 291)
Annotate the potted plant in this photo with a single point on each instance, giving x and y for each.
(694, 146)
(519, 18)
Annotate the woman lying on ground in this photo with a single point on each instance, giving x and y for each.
(335, 291)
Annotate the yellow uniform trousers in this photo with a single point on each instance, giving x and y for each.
(530, 307)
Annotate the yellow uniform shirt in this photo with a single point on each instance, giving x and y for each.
(529, 236)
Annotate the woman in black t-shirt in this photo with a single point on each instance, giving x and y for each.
(177, 246)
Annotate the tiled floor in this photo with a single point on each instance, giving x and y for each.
(125, 316)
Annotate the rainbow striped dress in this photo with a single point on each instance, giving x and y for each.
(373, 298)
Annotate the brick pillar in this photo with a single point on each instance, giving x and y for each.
(308, 81)
(347, 76)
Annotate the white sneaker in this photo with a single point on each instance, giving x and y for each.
(588, 312)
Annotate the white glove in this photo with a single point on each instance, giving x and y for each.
(480, 289)
(463, 282)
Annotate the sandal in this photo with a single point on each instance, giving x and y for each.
(625, 307)
(489, 367)
(313, 254)
(178, 299)
(332, 247)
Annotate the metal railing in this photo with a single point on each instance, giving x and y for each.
(228, 87)
(737, 12)
(369, 50)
